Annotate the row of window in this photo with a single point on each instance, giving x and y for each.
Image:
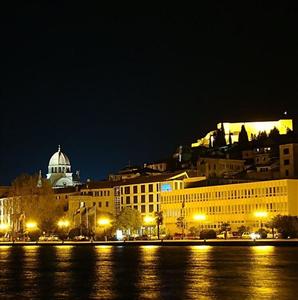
(139, 189)
(227, 195)
(102, 193)
(100, 204)
(228, 209)
(136, 199)
(143, 208)
(60, 169)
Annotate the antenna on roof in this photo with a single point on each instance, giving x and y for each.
(59, 148)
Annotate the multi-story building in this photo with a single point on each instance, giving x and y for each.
(96, 199)
(235, 204)
(143, 193)
(288, 160)
(4, 202)
(219, 167)
(108, 198)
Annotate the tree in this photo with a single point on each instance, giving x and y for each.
(219, 137)
(274, 135)
(129, 220)
(242, 229)
(30, 202)
(261, 138)
(159, 221)
(243, 138)
(286, 225)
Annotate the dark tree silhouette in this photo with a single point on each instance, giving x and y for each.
(243, 138)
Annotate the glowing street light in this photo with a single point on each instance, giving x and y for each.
(104, 221)
(3, 227)
(149, 219)
(63, 223)
(199, 217)
(261, 215)
(31, 225)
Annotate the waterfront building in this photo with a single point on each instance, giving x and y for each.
(232, 130)
(235, 204)
(94, 200)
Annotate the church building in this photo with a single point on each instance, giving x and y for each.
(59, 171)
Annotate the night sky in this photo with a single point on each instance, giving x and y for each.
(117, 88)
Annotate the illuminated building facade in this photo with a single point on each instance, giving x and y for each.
(288, 154)
(232, 130)
(235, 204)
(93, 201)
(143, 193)
(218, 167)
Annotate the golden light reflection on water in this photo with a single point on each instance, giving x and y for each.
(148, 279)
(199, 272)
(104, 273)
(263, 249)
(30, 267)
(263, 278)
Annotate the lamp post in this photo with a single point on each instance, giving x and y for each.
(104, 222)
(63, 225)
(261, 215)
(31, 226)
(199, 218)
(149, 221)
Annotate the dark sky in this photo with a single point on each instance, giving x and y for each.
(116, 88)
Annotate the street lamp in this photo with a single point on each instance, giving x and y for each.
(261, 215)
(199, 218)
(31, 225)
(63, 225)
(3, 227)
(149, 221)
(104, 222)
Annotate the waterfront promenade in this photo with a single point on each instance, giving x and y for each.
(211, 242)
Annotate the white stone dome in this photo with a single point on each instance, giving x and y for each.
(59, 159)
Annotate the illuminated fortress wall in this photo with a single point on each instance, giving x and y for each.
(252, 128)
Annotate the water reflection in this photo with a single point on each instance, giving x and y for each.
(148, 276)
(262, 274)
(104, 274)
(148, 272)
(199, 273)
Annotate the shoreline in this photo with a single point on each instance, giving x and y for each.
(249, 243)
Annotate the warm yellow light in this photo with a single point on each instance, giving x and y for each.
(261, 214)
(148, 219)
(63, 223)
(199, 217)
(104, 221)
(3, 226)
(31, 225)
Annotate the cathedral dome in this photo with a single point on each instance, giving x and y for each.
(59, 159)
